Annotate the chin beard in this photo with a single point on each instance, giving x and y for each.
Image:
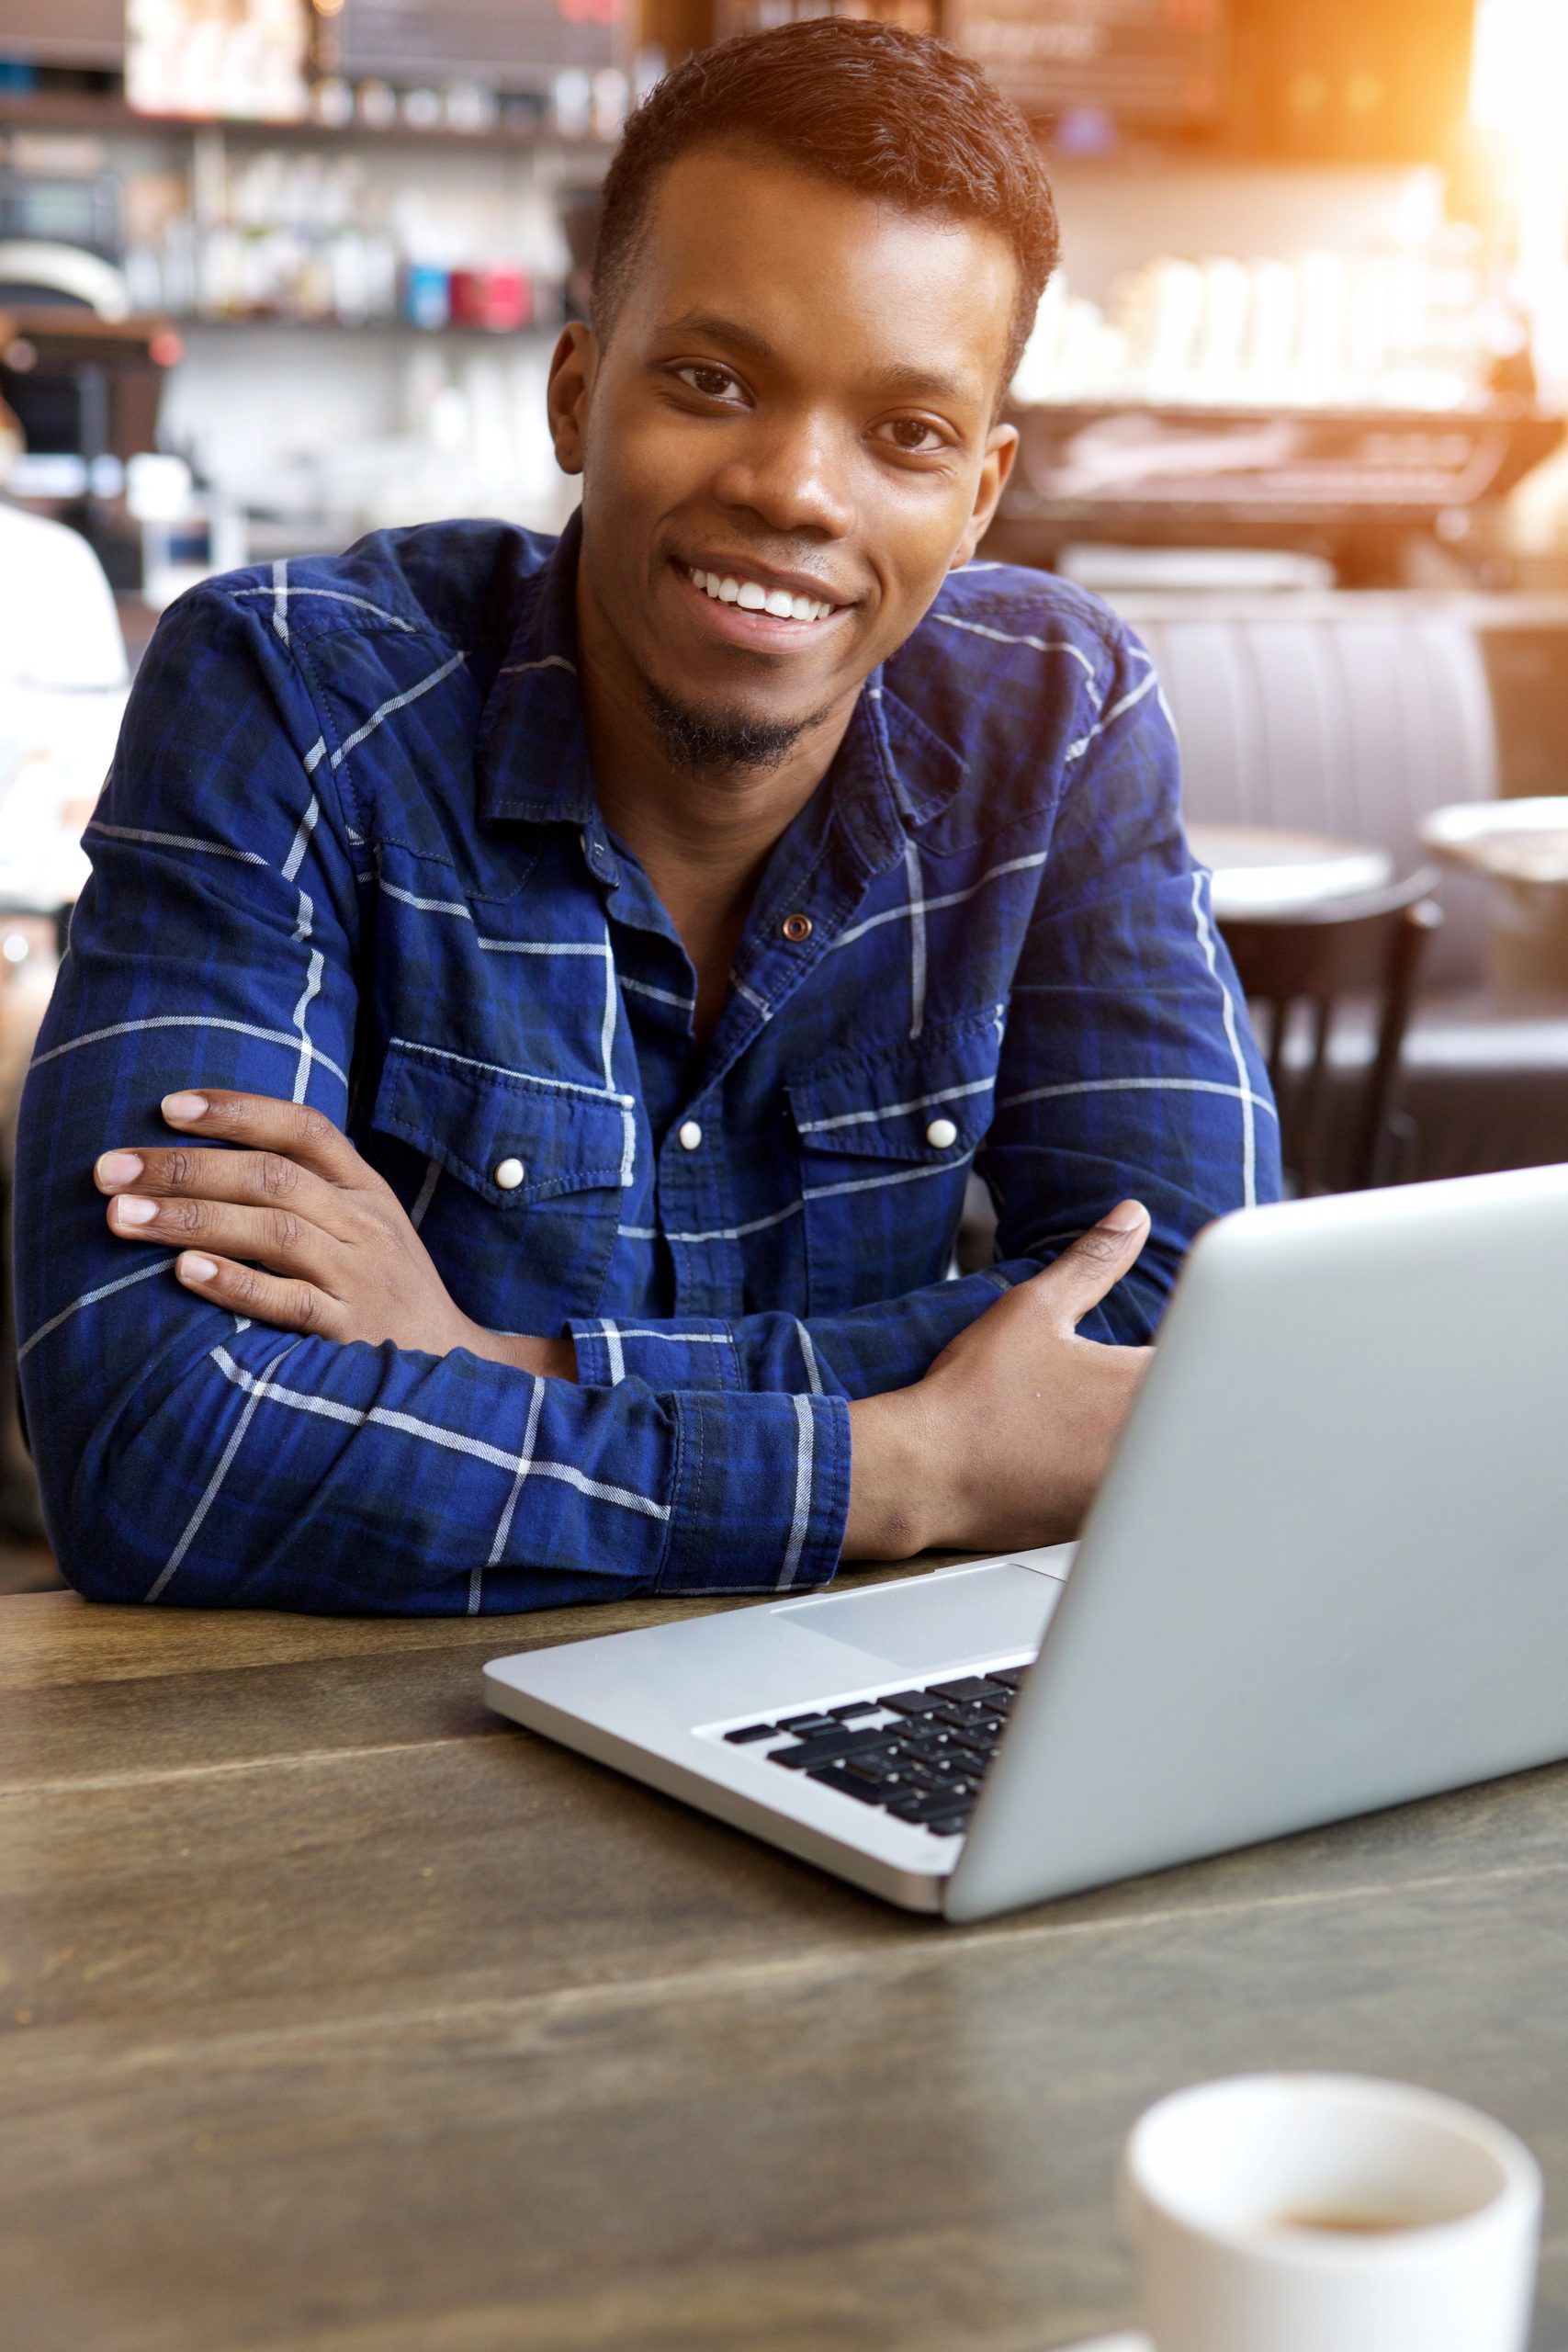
(709, 741)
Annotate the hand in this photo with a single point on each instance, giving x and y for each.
(295, 1229)
(1005, 1440)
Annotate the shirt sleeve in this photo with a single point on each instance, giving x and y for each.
(188, 1457)
(1128, 1069)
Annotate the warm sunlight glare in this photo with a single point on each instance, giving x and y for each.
(1519, 76)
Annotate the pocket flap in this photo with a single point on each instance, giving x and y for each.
(901, 1103)
(473, 1118)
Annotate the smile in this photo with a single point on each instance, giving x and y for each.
(753, 597)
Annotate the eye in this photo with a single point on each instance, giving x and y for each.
(713, 382)
(915, 436)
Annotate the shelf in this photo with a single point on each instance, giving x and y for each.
(194, 324)
(112, 118)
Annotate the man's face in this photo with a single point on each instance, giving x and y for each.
(796, 399)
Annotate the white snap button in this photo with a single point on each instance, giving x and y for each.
(941, 1133)
(688, 1135)
(509, 1174)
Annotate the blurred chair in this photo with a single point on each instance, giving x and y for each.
(1350, 715)
(51, 276)
(62, 688)
(1300, 970)
(1356, 715)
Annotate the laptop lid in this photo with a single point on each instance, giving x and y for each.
(1328, 1570)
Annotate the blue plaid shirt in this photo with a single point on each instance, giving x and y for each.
(350, 852)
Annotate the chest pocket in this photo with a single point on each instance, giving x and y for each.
(885, 1139)
(528, 1228)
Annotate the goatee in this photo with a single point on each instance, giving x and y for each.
(715, 741)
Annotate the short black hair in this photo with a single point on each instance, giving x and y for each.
(890, 114)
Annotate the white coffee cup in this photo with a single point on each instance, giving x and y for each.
(1330, 2213)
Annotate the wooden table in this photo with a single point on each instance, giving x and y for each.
(336, 2014)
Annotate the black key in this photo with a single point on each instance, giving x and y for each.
(940, 1808)
(969, 1686)
(856, 1707)
(889, 1776)
(828, 1746)
(803, 1724)
(866, 1736)
(839, 1776)
(928, 1738)
(1011, 1676)
(949, 1825)
(749, 1732)
(912, 1703)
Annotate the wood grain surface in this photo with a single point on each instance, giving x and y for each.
(335, 2013)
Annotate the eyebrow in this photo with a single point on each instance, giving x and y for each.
(901, 379)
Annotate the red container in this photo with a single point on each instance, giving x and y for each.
(499, 299)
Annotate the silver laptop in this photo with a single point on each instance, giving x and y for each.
(1328, 1571)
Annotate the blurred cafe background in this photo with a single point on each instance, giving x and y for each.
(276, 273)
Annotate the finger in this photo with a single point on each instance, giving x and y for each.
(1095, 1263)
(266, 1124)
(277, 1238)
(266, 1298)
(250, 1178)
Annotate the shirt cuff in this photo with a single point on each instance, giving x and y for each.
(696, 1352)
(762, 1492)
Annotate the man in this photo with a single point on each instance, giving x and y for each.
(577, 980)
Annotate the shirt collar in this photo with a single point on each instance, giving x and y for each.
(891, 772)
(531, 751)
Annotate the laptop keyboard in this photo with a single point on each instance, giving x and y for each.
(919, 1755)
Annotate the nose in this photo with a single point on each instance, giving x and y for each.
(791, 476)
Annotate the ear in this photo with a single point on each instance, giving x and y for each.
(572, 370)
(1001, 448)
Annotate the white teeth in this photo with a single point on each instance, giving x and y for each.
(753, 597)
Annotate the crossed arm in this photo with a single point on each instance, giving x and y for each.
(1001, 1443)
(317, 1425)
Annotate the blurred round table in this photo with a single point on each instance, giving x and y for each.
(1521, 848)
(1259, 871)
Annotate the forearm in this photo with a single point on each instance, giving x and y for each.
(1005, 1440)
(253, 1469)
(895, 1472)
(862, 1353)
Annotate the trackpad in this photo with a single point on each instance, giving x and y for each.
(932, 1621)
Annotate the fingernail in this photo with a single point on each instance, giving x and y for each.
(131, 1209)
(183, 1108)
(115, 1168)
(1126, 1217)
(195, 1269)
